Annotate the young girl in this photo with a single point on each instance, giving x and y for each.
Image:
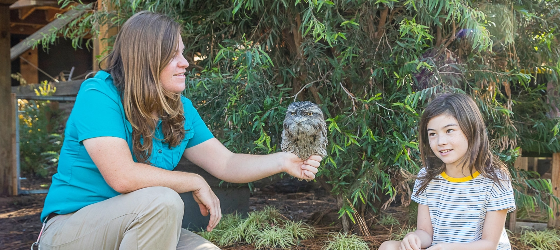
(463, 192)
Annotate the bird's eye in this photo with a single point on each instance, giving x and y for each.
(293, 113)
(309, 113)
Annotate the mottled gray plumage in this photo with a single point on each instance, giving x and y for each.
(305, 130)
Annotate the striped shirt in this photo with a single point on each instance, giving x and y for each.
(458, 206)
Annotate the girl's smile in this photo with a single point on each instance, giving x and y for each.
(447, 140)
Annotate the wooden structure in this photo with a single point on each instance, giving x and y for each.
(6, 111)
(27, 17)
(100, 45)
(520, 164)
(552, 94)
(555, 179)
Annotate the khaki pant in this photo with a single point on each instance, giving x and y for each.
(149, 218)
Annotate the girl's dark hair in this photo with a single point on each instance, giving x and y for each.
(478, 156)
(144, 46)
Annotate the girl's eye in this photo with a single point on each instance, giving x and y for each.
(450, 130)
(431, 134)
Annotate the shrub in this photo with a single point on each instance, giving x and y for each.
(402, 232)
(263, 229)
(342, 241)
(388, 220)
(372, 66)
(541, 240)
(39, 143)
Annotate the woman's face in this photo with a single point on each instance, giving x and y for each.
(172, 77)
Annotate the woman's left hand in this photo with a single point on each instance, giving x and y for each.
(302, 169)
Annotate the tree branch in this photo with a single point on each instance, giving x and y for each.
(382, 21)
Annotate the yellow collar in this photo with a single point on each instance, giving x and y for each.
(462, 179)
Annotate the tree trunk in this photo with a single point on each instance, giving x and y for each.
(345, 220)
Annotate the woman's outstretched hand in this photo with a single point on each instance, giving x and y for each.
(209, 204)
(302, 169)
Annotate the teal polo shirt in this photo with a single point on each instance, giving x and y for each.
(98, 112)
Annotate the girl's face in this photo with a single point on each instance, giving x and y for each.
(447, 140)
(172, 77)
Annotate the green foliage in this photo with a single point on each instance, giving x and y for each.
(39, 143)
(372, 66)
(525, 214)
(401, 233)
(342, 241)
(388, 220)
(541, 240)
(263, 229)
(533, 193)
(18, 77)
(412, 213)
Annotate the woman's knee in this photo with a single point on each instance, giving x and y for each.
(390, 245)
(163, 197)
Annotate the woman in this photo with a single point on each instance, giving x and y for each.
(129, 127)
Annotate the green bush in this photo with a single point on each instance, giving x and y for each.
(371, 66)
(388, 220)
(541, 240)
(39, 143)
(399, 235)
(263, 229)
(342, 241)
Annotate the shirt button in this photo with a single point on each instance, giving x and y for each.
(159, 151)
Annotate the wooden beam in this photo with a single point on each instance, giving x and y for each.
(25, 12)
(50, 14)
(69, 88)
(56, 24)
(521, 163)
(552, 97)
(28, 71)
(14, 147)
(31, 3)
(7, 2)
(6, 111)
(555, 179)
(100, 44)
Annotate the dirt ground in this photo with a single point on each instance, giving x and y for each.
(20, 226)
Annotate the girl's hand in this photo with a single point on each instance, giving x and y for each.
(410, 242)
(299, 168)
(441, 246)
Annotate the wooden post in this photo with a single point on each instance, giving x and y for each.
(555, 179)
(15, 176)
(536, 164)
(28, 71)
(100, 43)
(521, 163)
(6, 110)
(553, 95)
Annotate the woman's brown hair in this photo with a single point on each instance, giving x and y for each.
(478, 156)
(146, 43)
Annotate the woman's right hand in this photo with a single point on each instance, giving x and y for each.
(411, 242)
(209, 204)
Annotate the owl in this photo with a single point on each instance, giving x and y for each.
(305, 130)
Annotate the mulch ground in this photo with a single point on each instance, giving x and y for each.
(20, 226)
